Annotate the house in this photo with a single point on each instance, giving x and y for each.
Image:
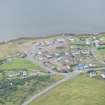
(56, 54)
(75, 51)
(96, 43)
(85, 51)
(66, 61)
(39, 52)
(66, 68)
(103, 74)
(67, 53)
(23, 74)
(41, 58)
(3, 61)
(16, 74)
(71, 39)
(88, 41)
(61, 40)
(49, 56)
(6, 60)
(19, 54)
(60, 58)
(92, 73)
(81, 67)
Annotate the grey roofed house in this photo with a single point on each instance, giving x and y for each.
(75, 51)
(87, 41)
(6, 60)
(92, 73)
(81, 67)
(19, 54)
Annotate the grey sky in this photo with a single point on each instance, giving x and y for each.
(40, 17)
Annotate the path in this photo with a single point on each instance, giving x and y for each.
(70, 76)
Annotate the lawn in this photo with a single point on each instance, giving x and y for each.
(102, 37)
(1, 76)
(80, 91)
(100, 53)
(19, 63)
(7, 49)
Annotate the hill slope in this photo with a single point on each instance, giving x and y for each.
(80, 91)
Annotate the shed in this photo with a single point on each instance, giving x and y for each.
(92, 73)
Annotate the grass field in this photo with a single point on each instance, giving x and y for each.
(79, 91)
(102, 37)
(6, 49)
(19, 63)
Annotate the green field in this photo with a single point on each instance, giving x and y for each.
(19, 63)
(79, 91)
(102, 37)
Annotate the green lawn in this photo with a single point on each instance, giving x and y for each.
(18, 63)
(79, 91)
(1, 76)
(100, 53)
(101, 37)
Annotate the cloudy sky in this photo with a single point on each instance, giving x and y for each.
(41, 17)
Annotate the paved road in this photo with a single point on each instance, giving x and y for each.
(70, 76)
(67, 77)
(52, 72)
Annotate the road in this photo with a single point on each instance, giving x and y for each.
(52, 72)
(40, 63)
(70, 76)
(66, 75)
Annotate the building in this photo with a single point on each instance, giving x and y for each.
(81, 67)
(92, 73)
(103, 74)
(88, 41)
(96, 43)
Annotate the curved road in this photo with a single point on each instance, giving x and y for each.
(70, 76)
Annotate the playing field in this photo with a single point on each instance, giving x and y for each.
(79, 91)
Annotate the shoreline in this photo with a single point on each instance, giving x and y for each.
(47, 36)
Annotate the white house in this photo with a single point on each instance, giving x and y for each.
(88, 41)
(97, 43)
(103, 74)
(92, 73)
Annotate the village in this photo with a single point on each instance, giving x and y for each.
(61, 55)
(65, 55)
(46, 58)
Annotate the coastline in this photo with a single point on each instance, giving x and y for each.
(47, 36)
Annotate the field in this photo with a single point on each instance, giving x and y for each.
(79, 91)
(6, 49)
(19, 63)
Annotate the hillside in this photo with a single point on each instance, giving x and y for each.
(79, 91)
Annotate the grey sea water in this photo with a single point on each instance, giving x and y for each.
(20, 18)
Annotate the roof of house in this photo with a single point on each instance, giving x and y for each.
(103, 71)
(91, 71)
(81, 65)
